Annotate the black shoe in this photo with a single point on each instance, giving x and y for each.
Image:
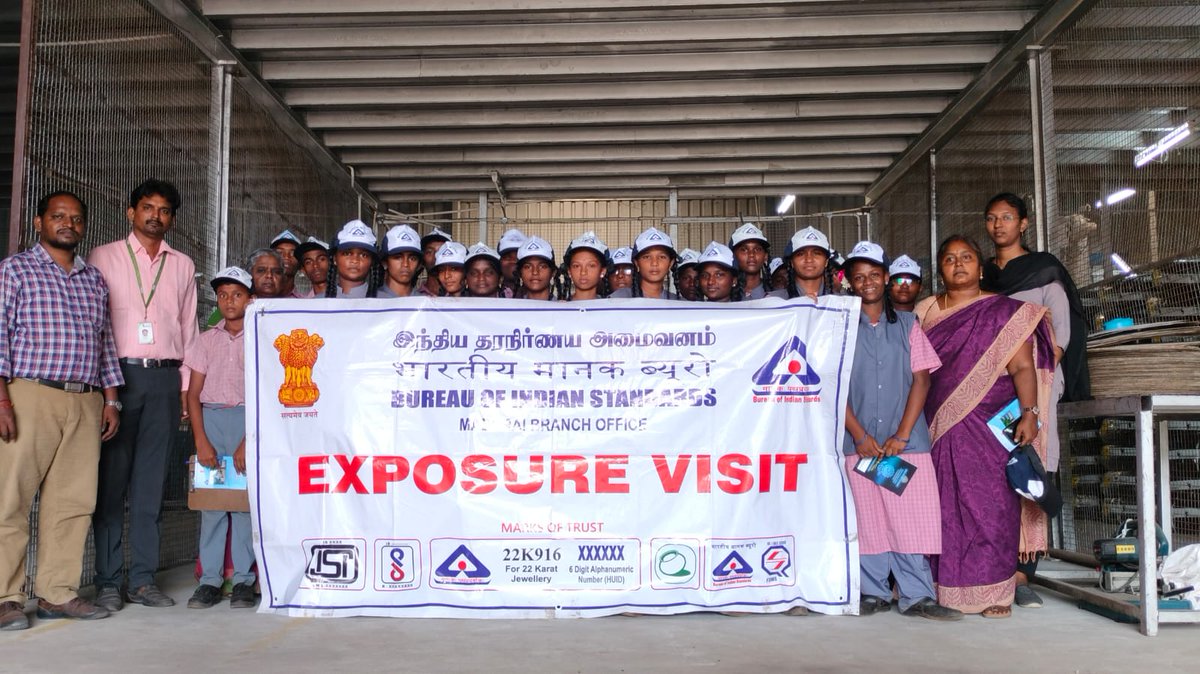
(12, 617)
(205, 596)
(109, 596)
(76, 609)
(869, 605)
(1027, 598)
(149, 595)
(242, 596)
(928, 608)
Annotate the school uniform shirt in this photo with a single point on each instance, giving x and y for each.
(220, 356)
(628, 292)
(885, 356)
(172, 309)
(357, 292)
(758, 293)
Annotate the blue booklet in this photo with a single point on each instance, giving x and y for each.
(1004, 424)
(890, 472)
(224, 476)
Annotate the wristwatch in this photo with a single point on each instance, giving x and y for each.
(114, 403)
(1034, 409)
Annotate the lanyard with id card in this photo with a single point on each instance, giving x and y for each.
(145, 329)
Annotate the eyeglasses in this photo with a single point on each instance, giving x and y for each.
(624, 272)
(906, 281)
(1007, 218)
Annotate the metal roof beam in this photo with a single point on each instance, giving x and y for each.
(637, 193)
(575, 169)
(1055, 17)
(625, 134)
(483, 183)
(645, 65)
(624, 92)
(613, 152)
(625, 114)
(283, 8)
(409, 34)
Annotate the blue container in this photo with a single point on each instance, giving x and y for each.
(1118, 323)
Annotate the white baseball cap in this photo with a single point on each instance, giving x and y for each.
(356, 234)
(905, 265)
(436, 233)
(866, 250)
(623, 255)
(720, 254)
(806, 238)
(286, 236)
(401, 238)
(688, 256)
(481, 249)
(775, 264)
(235, 274)
(511, 240)
(587, 240)
(453, 253)
(536, 246)
(652, 238)
(748, 232)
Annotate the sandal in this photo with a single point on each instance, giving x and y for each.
(997, 612)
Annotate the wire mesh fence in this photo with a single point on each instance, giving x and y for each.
(118, 95)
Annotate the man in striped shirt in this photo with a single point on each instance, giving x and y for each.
(58, 399)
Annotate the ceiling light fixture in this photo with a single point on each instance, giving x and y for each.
(1175, 137)
(1119, 195)
(1121, 265)
(785, 203)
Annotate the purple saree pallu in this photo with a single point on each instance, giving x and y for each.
(982, 518)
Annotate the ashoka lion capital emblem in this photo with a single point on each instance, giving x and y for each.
(298, 353)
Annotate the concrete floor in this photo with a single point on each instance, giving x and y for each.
(1056, 638)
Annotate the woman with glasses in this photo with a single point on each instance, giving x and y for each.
(904, 284)
(1041, 279)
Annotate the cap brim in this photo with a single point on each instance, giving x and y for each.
(402, 249)
(222, 280)
(358, 244)
(309, 246)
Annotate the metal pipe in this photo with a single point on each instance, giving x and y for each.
(220, 113)
(21, 124)
(934, 278)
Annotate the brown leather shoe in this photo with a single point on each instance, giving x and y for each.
(12, 617)
(76, 609)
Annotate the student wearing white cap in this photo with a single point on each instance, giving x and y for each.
(686, 275)
(750, 249)
(216, 400)
(719, 279)
(778, 274)
(905, 285)
(654, 259)
(449, 266)
(809, 268)
(620, 269)
(430, 244)
(584, 267)
(354, 271)
(884, 418)
(286, 244)
(510, 242)
(535, 264)
(314, 261)
(483, 271)
(402, 262)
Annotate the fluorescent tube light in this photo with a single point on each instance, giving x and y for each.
(1121, 265)
(785, 203)
(1119, 195)
(1177, 136)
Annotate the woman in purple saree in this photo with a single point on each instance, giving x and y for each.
(993, 349)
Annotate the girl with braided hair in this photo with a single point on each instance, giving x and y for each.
(402, 262)
(654, 259)
(719, 280)
(751, 250)
(808, 259)
(583, 273)
(354, 271)
(535, 264)
(449, 266)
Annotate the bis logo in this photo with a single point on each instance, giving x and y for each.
(675, 564)
(298, 354)
(787, 372)
(333, 564)
(733, 570)
(462, 567)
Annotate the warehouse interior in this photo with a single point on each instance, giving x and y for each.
(883, 119)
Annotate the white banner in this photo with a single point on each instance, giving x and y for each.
(483, 458)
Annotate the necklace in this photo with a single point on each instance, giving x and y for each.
(944, 297)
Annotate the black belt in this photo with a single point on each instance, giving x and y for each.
(151, 362)
(68, 386)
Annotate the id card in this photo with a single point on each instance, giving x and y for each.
(145, 331)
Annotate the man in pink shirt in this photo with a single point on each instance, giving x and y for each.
(152, 297)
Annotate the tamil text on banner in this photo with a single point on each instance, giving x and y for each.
(477, 458)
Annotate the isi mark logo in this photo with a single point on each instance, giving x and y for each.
(787, 376)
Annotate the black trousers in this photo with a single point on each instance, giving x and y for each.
(134, 462)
